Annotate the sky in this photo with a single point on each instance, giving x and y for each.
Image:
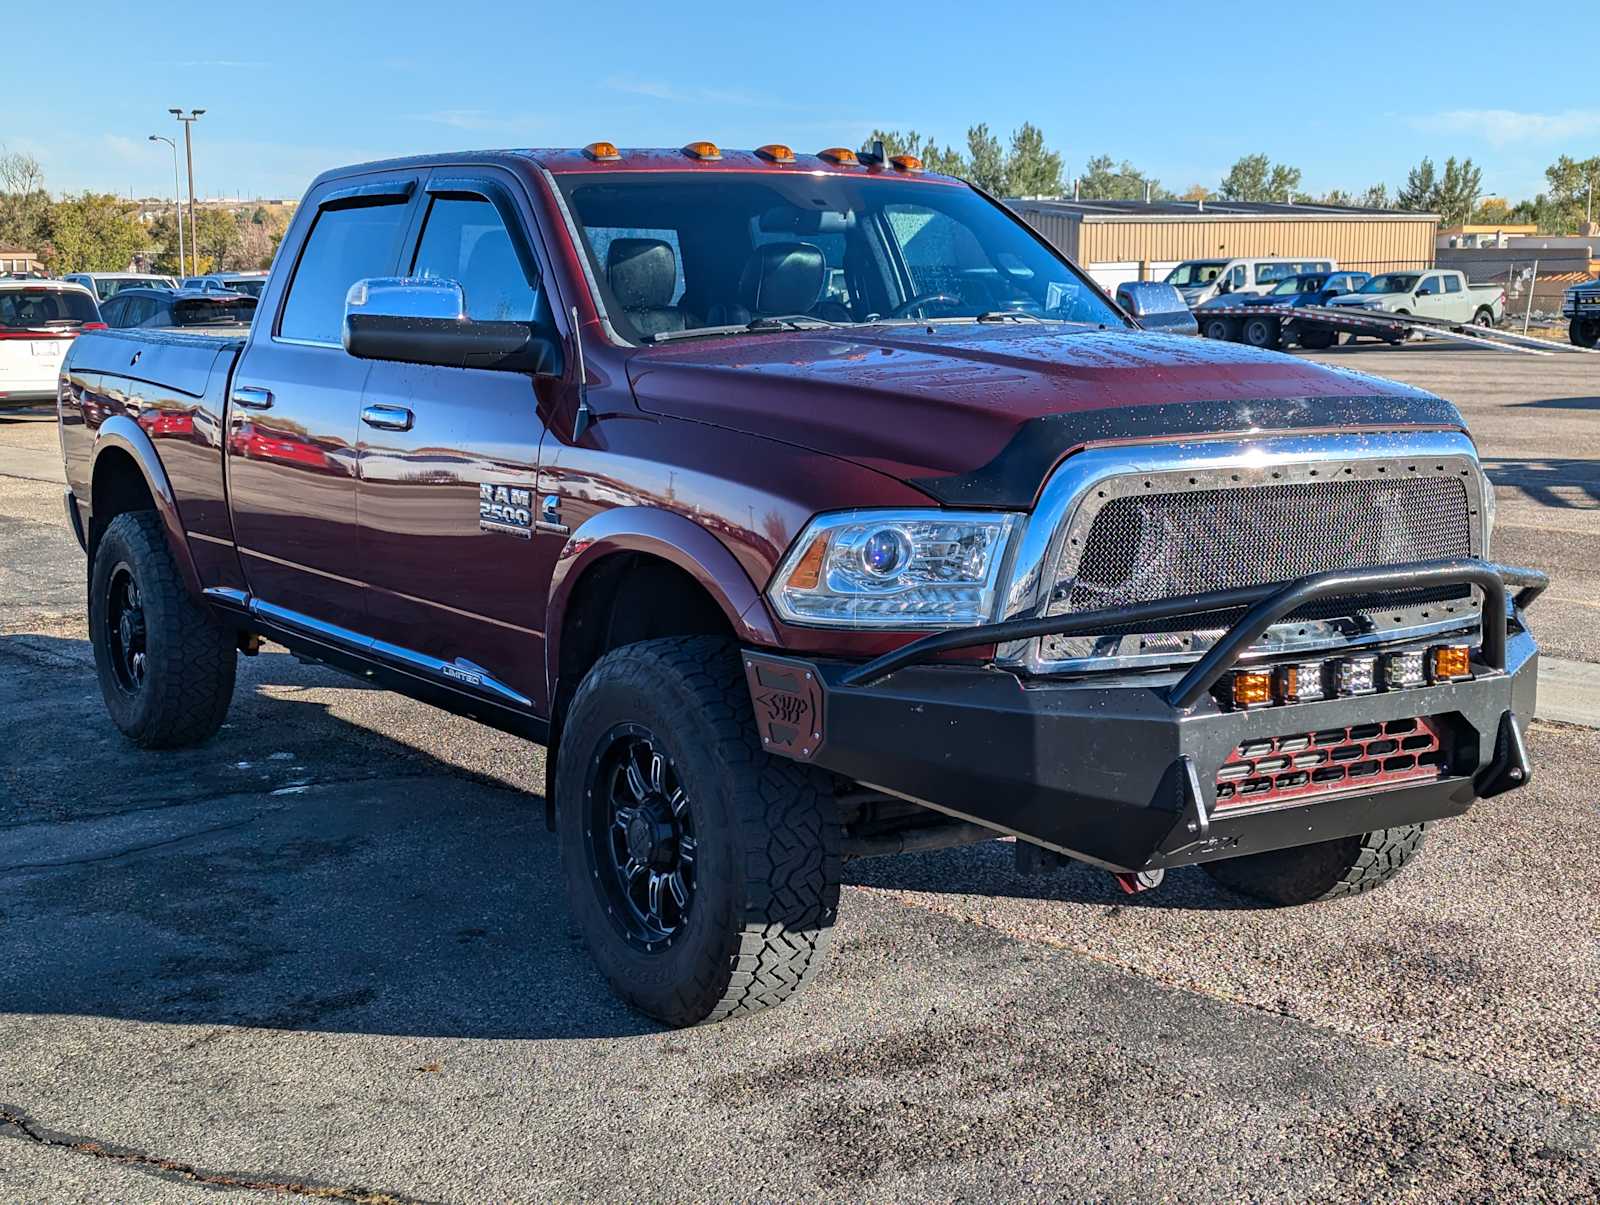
(1181, 90)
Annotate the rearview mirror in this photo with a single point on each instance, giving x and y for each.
(1157, 306)
(424, 321)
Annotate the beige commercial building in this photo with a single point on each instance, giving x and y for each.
(1118, 241)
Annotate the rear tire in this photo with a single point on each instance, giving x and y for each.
(1225, 330)
(1484, 317)
(1584, 332)
(705, 880)
(1315, 340)
(1324, 871)
(166, 666)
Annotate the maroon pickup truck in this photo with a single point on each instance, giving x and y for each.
(804, 508)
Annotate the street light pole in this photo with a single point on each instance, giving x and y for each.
(188, 148)
(177, 195)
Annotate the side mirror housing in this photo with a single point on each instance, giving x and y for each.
(424, 321)
(1157, 306)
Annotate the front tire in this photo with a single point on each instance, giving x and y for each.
(166, 666)
(1584, 332)
(1324, 871)
(702, 872)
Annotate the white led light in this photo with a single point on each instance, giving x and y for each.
(895, 569)
(1405, 669)
(1357, 675)
(1302, 682)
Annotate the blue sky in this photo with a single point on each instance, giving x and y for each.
(291, 88)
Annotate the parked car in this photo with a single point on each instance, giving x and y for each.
(1581, 307)
(211, 313)
(106, 285)
(1302, 289)
(1436, 293)
(250, 283)
(1199, 280)
(39, 319)
(782, 574)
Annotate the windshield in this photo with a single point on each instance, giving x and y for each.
(220, 310)
(250, 286)
(107, 289)
(679, 252)
(37, 307)
(1196, 272)
(1393, 282)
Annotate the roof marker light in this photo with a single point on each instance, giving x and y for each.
(602, 151)
(842, 155)
(702, 150)
(776, 152)
(906, 163)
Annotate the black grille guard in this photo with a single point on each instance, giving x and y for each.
(1269, 603)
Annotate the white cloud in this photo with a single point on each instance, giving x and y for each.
(1509, 127)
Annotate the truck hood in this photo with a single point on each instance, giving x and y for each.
(977, 415)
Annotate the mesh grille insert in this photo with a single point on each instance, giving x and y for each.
(1144, 547)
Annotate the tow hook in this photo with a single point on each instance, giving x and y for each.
(1132, 883)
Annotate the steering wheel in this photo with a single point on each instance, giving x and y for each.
(920, 300)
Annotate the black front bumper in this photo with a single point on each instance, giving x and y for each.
(1122, 772)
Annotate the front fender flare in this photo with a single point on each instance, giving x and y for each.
(675, 539)
(123, 433)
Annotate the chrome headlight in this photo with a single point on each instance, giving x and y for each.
(894, 569)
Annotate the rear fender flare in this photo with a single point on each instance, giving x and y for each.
(123, 433)
(672, 538)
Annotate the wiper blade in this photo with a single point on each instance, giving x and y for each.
(756, 326)
(1007, 316)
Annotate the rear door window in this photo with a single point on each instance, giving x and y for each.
(345, 245)
(1452, 284)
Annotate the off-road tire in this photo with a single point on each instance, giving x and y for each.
(189, 659)
(1324, 871)
(1584, 332)
(766, 889)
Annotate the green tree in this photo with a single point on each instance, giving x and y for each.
(1257, 178)
(1417, 194)
(986, 161)
(1032, 169)
(1104, 180)
(934, 157)
(93, 232)
(216, 238)
(1452, 195)
(1567, 205)
(24, 204)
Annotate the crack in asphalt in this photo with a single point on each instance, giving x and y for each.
(132, 849)
(26, 1130)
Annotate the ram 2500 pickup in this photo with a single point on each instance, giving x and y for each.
(804, 507)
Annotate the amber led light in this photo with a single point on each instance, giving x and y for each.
(702, 150)
(1251, 688)
(602, 150)
(808, 570)
(907, 163)
(1451, 661)
(841, 155)
(776, 152)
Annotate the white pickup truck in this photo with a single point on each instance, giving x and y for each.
(1438, 293)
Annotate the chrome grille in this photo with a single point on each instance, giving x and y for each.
(1243, 515)
(1150, 546)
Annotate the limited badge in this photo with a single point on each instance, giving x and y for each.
(505, 508)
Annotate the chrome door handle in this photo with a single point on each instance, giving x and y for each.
(252, 397)
(389, 418)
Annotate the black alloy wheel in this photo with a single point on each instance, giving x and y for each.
(641, 837)
(125, 633)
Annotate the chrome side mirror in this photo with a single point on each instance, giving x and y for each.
(1157, 306)
(424, 321)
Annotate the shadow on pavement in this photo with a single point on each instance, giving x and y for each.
(1559, 403)
(1539, 479)
(356, 885)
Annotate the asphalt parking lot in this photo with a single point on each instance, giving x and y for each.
(327, 955)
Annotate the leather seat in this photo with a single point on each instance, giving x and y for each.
(643, 275)
(778, 279)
